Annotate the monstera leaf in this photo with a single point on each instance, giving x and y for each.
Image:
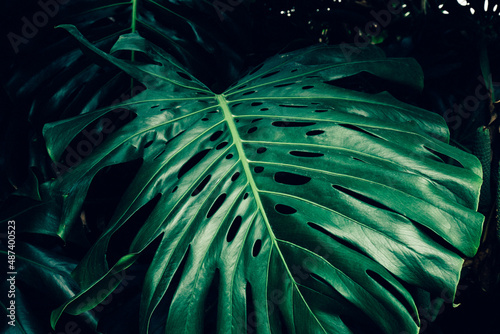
(285, 204)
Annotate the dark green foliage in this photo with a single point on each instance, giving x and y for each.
(304, 185)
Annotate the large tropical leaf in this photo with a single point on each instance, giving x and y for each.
(285, 204)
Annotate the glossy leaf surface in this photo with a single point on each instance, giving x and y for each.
(287, 203)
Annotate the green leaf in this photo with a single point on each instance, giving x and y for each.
(287, 203)
(191, 30)
(37, 267)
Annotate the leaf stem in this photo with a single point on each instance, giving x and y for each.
(134, 15)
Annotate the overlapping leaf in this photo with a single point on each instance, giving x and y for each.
(284, 204)
(47, 78)
(35, 267)
(48, 69)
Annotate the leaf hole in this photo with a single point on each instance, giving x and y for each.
(216, 205)
(256, 120)
(357, 159)
(256, 247)
(252, 130)
(233, 230)
(156, 106)
(284, 209)
(229, 156)
(192, 162)
(437, 239)
(320, 110)
(235, 105)
(291, 178)
(201, 186)
(306, 154)
(264, 109)
(255, 104)
(356, 128)
(284, 85)
(363, 198)
(258, 169)
(250, 92)
(245, 196)
(222, 145)
(269, 74)
(149, 143)
(251, 315)
(261, 150)
(235, 176)
(314, 132)
(307, 87)
(241, 87)
(216, 135)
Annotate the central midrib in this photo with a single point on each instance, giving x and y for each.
(244, 161)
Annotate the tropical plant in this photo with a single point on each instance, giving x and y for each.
(283, 198)
(294, 201)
